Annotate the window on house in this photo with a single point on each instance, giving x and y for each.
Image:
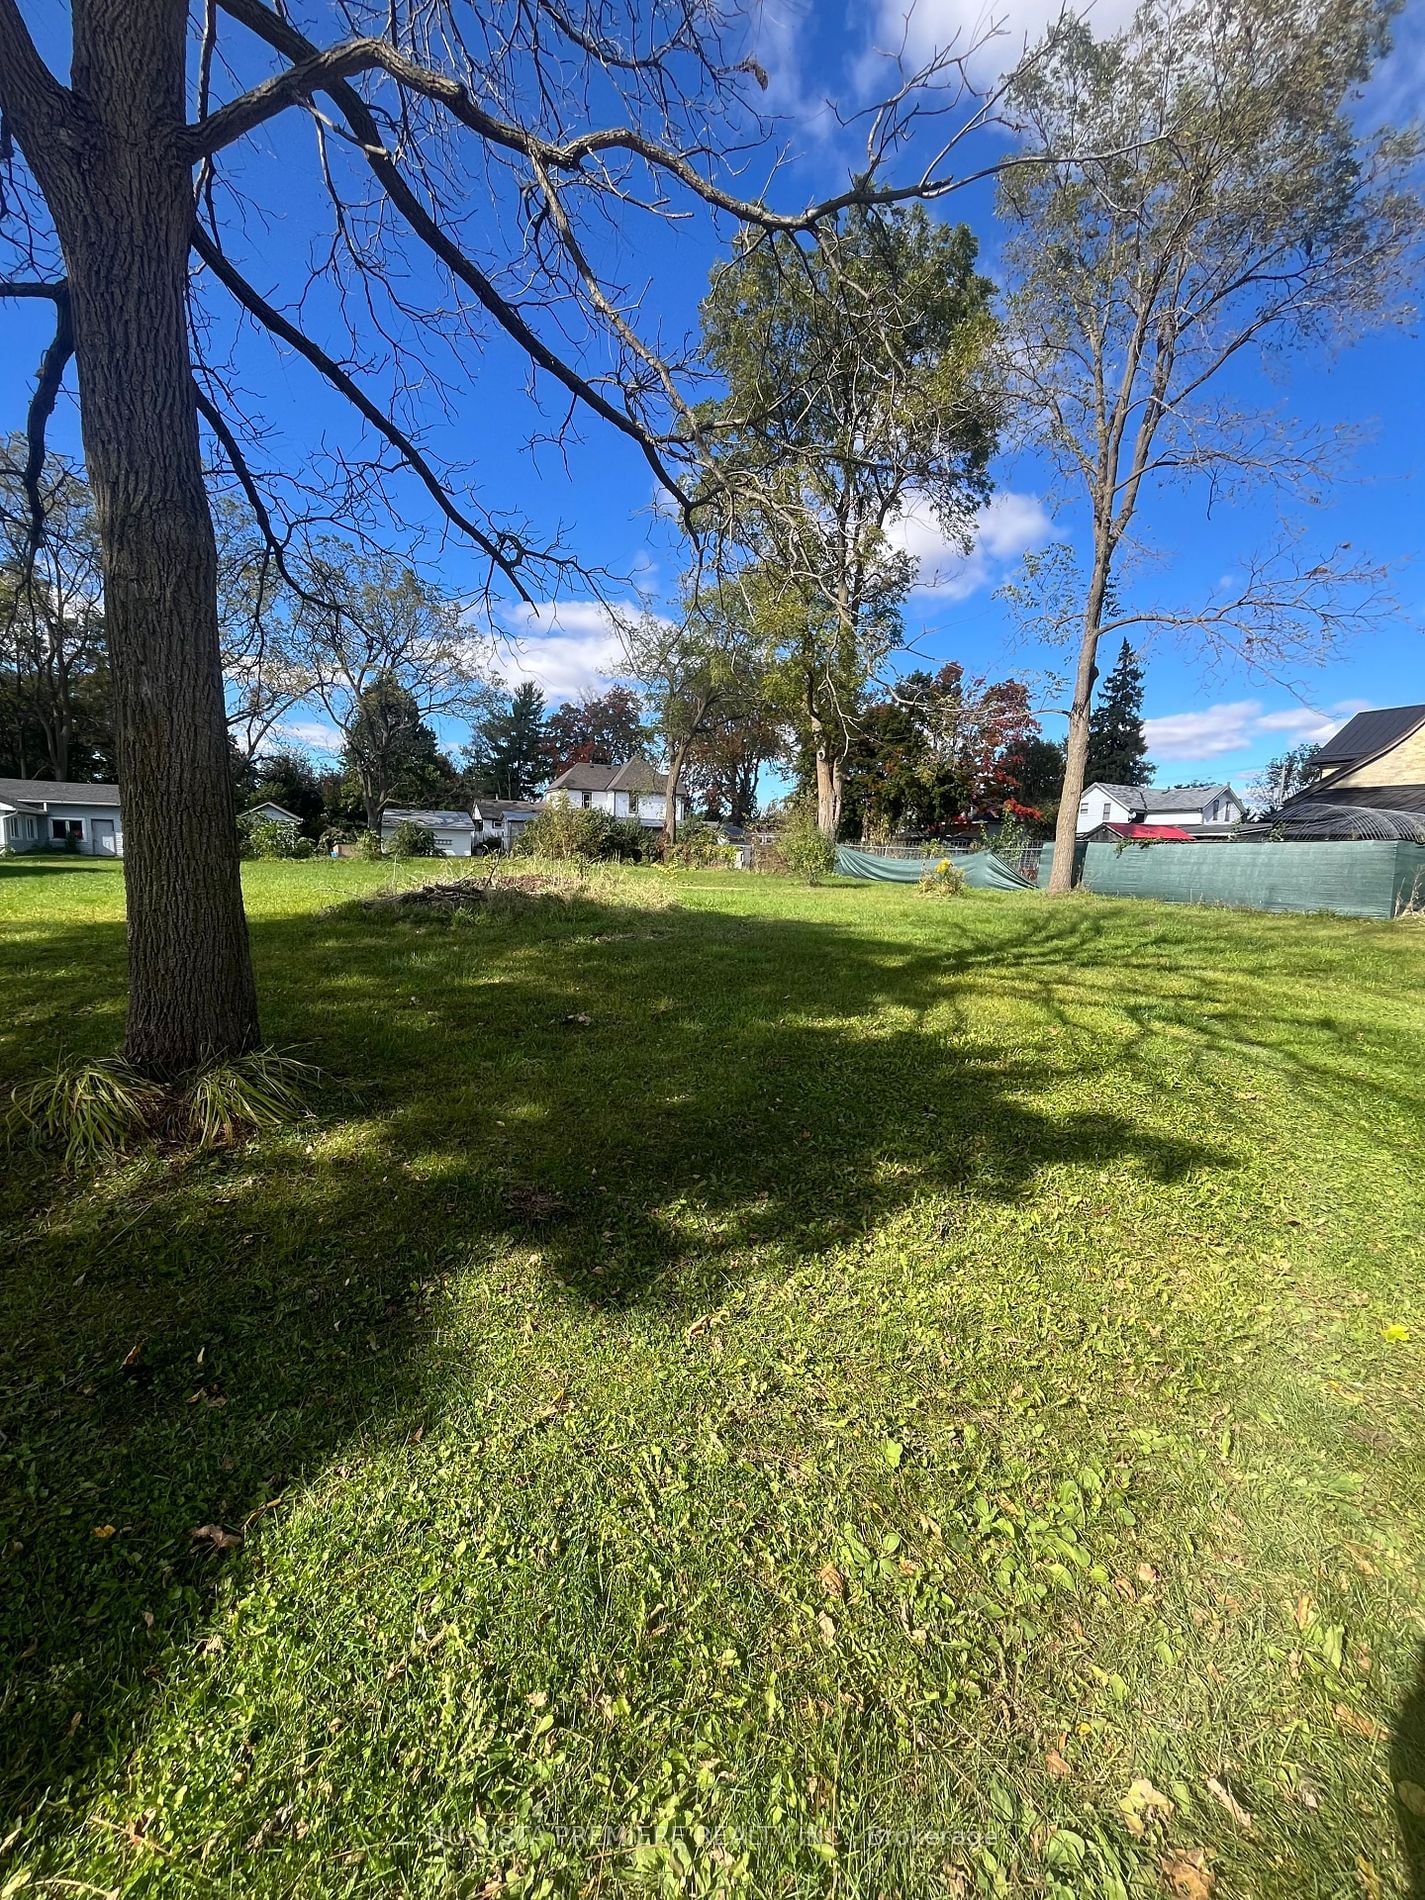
(1107, 812)
(67, 827)
(587, 800)
(633, 804)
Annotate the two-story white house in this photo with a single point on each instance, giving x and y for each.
(1205, 810)
(631, 790)
(40, 814)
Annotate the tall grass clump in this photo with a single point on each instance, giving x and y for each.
(94, 1108)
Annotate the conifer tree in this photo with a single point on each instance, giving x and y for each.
(1118, 747)
(510, 755)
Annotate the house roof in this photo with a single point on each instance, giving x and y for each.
(265, 805)
(1160, 797)
(1370, 732)
(37, 793)
(432, 820)
(498, 807)
(634, 775)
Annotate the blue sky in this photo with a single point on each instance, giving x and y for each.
(1220, 723)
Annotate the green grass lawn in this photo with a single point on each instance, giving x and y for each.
(910, 1398)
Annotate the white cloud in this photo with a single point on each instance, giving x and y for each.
(313, 734)
(1237, 725)
(565, 647)
(914, 30)
(778, 34)
(1004, 529)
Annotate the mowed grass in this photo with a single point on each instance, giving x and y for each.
(908, 1398)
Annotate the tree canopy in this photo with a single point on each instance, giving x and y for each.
(855, 392)
(1223, 197)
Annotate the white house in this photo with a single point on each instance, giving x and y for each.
(272, 812)
(498, 820)
(454, 831)
(1205, 810)
(631, 790)
(39, 814)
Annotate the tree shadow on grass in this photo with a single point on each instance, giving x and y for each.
(650, 1101)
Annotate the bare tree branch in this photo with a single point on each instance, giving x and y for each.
(503, 550)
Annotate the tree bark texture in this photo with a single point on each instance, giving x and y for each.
(122, 197)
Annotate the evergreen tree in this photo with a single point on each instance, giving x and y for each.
(289, 780)
(393, 754)
(510, 754)
(1118, 748)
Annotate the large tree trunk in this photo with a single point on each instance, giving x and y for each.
(123, 201)
(677, 764)
(677, 760)
(1076, 751)
(828, 775)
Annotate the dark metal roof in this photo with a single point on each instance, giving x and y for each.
(1370, 732)
(50, 791)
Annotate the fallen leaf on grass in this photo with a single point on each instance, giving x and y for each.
(1412, 1798)
(1188, 1873)
(826, 1626)
(1229, 1801)
(103, 1530)
(831, 1580)
(1056, 1765)
(579, 1017)
(1142, 1804)
(216, 1537)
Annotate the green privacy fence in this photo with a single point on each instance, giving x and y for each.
(983, 870)
(1358, 879)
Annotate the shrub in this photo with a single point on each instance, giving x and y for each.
(563, 830)
(368, 844)
(630, 841)
(273, 838)
(696, 846)
(335, 835)
(942, 880)
(303, 847)
(410, 840)
(804, 849)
